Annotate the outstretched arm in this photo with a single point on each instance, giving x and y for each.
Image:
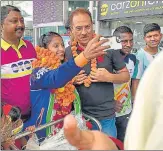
(43, 78)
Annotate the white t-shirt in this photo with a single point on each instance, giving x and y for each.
(145, 127)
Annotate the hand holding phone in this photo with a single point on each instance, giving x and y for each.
(114, 43)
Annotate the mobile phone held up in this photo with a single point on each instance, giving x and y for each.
(114, 43)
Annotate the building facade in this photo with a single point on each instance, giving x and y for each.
(26, 8)
(52, 15)
(134, 14)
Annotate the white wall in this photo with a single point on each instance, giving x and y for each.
(27, 6)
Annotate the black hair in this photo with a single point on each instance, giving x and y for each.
(5, 10)
(45, 39)
(151, 27)
(14, 113)
(122, 29)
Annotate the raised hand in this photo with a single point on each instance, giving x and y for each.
(94, 48)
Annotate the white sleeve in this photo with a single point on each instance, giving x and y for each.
(155, 138)
(145, 127)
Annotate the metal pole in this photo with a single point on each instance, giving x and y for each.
(35, 36)
(37, 129)
(53, 123)
(65, 11)
(97, 23)
(91, 7)
(13, 147)
(94, 120)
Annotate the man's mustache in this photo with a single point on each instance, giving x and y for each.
(20, 28)
(153, 41)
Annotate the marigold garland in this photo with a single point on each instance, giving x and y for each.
(87, 81)
(65, 95)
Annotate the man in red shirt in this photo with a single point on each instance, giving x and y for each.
(16, 57)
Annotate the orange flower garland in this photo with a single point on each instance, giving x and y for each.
(87, 81)
(46, 58)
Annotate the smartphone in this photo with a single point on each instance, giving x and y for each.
(114, 43)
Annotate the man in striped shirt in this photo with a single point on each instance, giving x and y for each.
(16, 57)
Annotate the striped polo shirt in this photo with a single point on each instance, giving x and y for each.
(16, 68)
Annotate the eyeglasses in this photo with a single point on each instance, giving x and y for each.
(80, 28)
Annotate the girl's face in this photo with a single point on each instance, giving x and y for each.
(56, 45)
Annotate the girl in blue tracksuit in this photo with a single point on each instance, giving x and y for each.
(43, 80)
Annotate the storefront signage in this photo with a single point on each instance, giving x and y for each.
(122, 9)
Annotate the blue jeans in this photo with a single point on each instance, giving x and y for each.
(108, 127)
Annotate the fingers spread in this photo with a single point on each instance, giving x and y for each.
(95, 39)
(99, 43)
(96, 54)
(102, 48)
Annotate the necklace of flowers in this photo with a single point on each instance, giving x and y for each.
(87, 81)
(65, 95)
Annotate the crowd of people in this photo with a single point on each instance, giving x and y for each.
(42, 82)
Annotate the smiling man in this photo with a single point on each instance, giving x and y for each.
(17, 55)
(152, 38)
(122, 92)
(95, 82)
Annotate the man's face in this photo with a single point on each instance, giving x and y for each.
(127, 42)
(13, 25)
(82, 28)
(153, 38)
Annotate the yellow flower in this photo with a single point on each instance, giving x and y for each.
(55, 67)
(43, 60)
(61, 89)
